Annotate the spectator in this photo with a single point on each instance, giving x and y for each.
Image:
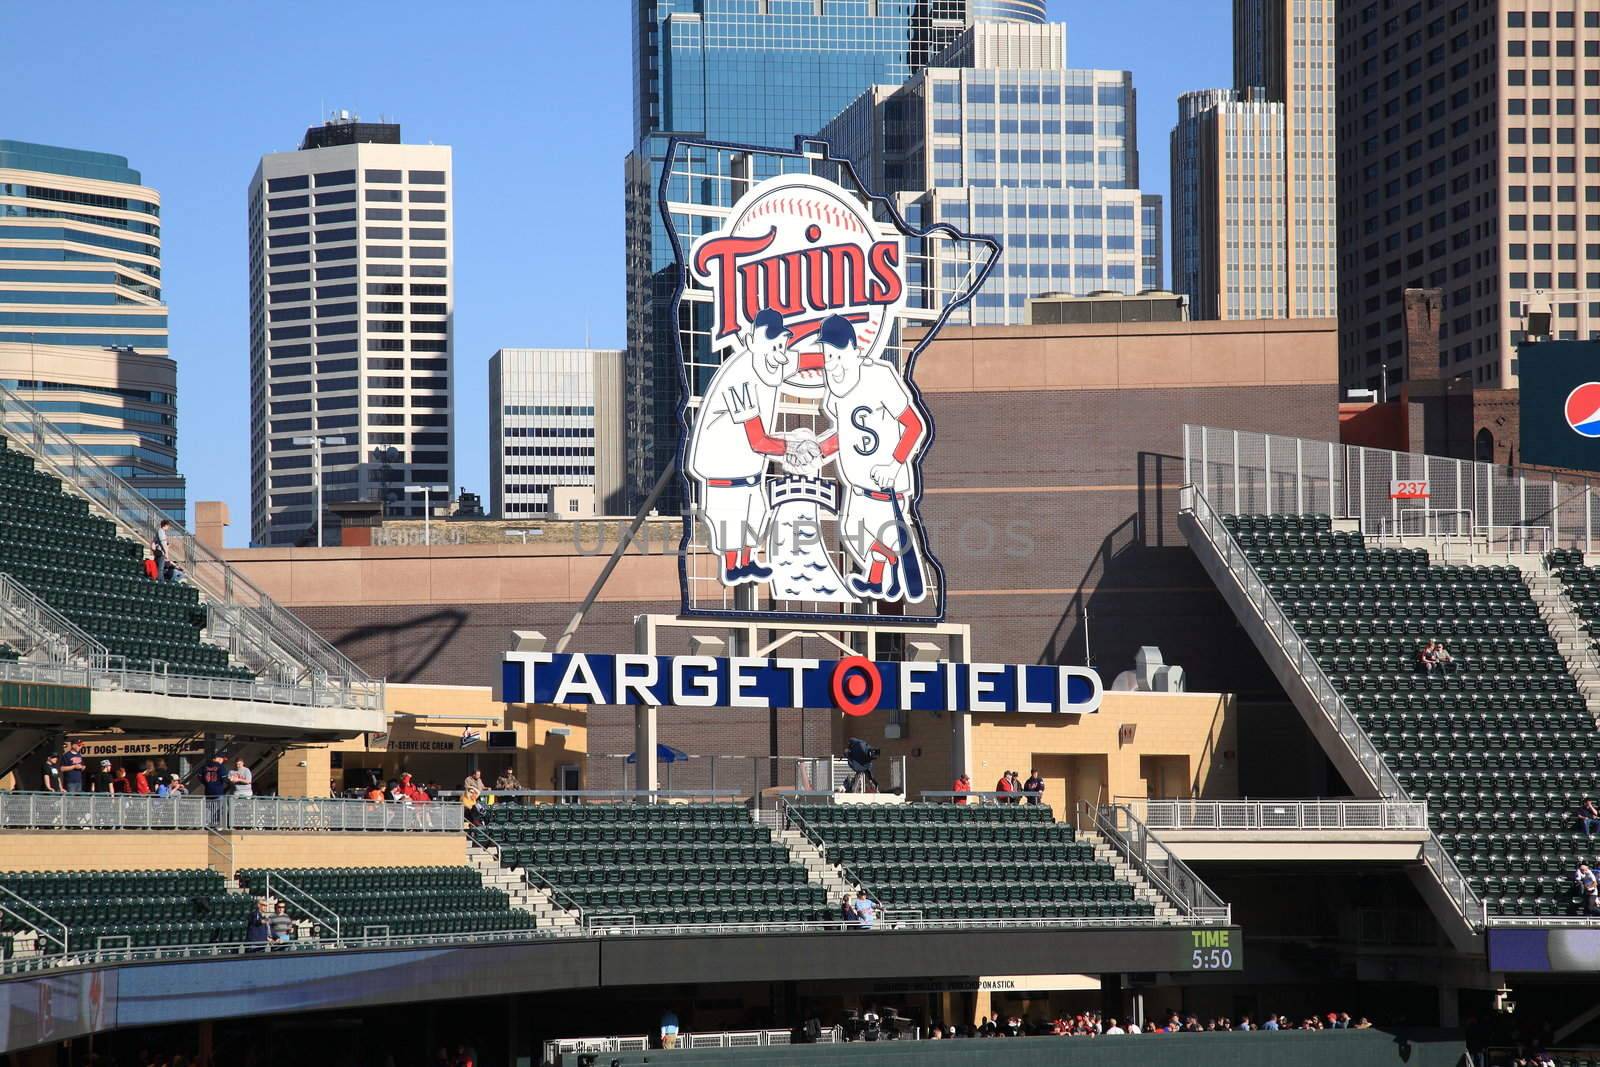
(280, 924)
(847, 911)
(1112, 1029)
(1362, 1023)
(396, 794)
(101, 781)
(120, 782)
(214, 779)
(470, 812)
(1005, 786)
(475, 783)
(162, 549)
(1590, 816)
(1590, 888)
(866, 913)
(1133, 1026)
(669, 1029)
(1244, 1024)
(1034, 787)
(1442, 658)
(413, 792)
(72, 768)
(1425, 657)
(52, 773)
(1270, 1024)
(508, 780)
(141, 779)
(375, 791)
(963, 785)
(991, 1025)
(258, 930)
(241, 779)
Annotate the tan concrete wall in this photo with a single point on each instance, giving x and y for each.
(348, 850)
(1144, 355)
(102, 850)
(1192, 730)
(1072, 751)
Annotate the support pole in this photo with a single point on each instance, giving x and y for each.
(644, 717)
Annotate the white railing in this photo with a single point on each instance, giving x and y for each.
(556, 1048)
(1278, 627)
(254, 627)
(1247, 473)
(34, 627)
(100, 811)
(137, 811)
(1154, 862)
(1282, 814)
(329, 813)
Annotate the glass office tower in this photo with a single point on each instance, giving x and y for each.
(998, 137)
(83, 330)
(756, 72)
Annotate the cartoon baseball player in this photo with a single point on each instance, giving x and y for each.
(731, 445)
(876, 435)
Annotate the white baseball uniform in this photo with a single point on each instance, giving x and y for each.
(866, 421)
(721, 458)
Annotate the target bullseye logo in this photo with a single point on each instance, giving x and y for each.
(856, 685)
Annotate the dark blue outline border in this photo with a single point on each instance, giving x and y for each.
(915, 508)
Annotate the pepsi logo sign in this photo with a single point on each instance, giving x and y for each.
(1583, 410)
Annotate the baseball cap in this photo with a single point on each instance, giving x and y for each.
(770, 322)
(837, 331)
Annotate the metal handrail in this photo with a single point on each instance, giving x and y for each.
(812, 834)
(44, 810)
(274, 876)
(1166, 873)
(1274, 815)
(529, 874)
(339, 814)
(256, 624)
(1294, 649)
(65, 936)
(34, 618)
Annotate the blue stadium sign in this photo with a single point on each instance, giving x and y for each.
(854, 685)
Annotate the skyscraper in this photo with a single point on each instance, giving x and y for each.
(1467, 163)
(351, 298)
(555, 419)
(1229, 253)
(83, 330)
(1254, 191)
(998, 137)
(751, 73)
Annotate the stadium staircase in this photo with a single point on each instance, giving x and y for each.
(974, 862)
(525, 896)
(655, 864)
(73, 539)
(802, 850)
(1503, 749)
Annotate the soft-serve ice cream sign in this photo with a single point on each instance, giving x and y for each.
(804, 448)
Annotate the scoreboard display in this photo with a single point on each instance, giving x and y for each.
(1560, 404)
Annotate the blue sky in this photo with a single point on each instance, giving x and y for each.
(533, 96)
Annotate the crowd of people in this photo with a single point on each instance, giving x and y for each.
(70, 771)
(1091, 1024)
(1011, 788)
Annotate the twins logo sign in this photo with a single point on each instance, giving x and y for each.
(805, 445)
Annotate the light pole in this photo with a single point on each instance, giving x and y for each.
(316, 444)
(427, 510)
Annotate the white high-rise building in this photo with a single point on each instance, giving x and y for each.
(556, 418)
(351, 297)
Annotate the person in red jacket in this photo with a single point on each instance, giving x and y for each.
(963, 785)
(141, 780)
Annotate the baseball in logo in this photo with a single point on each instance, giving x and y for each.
(1583, 410)
(805, 445)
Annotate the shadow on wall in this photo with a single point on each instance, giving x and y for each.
(402, 651)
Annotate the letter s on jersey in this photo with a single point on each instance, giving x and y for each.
(858, 418)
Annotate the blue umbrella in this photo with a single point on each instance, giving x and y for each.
(664, 754)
